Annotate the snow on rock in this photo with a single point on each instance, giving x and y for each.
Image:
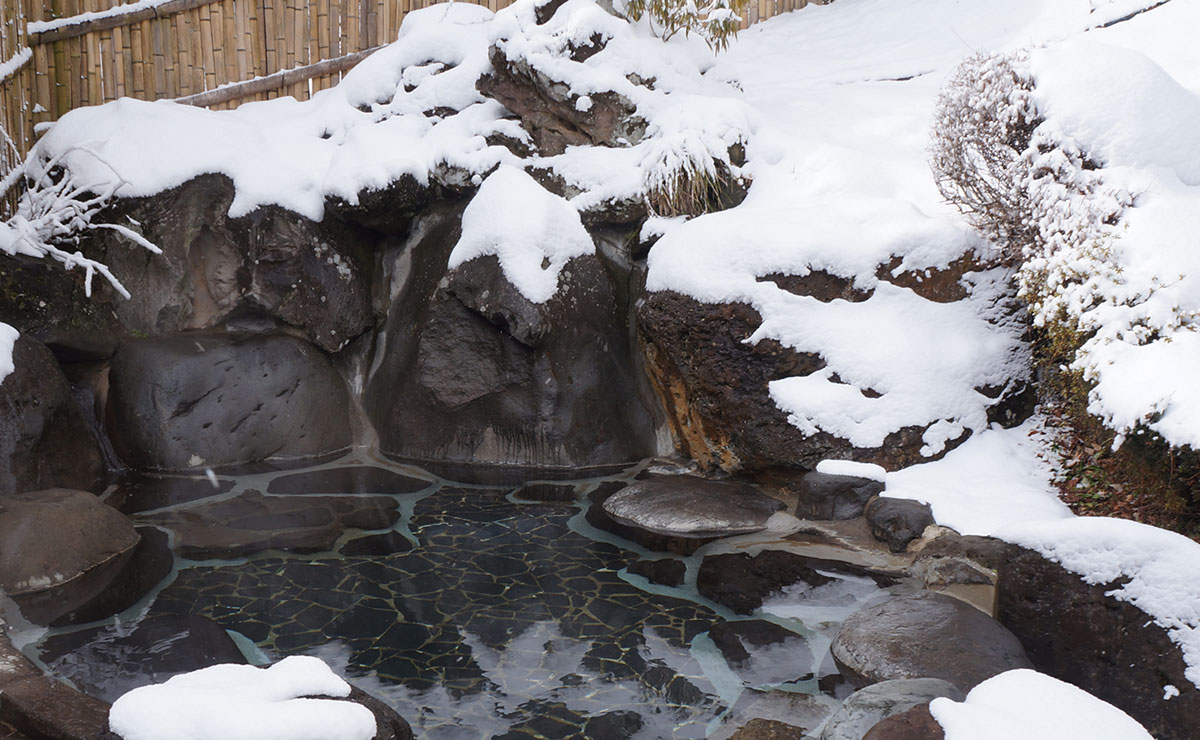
(1133, 285)
(1032, 706)
(1157, 567)
(994, 479)
(533, 241)
(869, 471)
(241, 702)
(363, 134)
(8, 337)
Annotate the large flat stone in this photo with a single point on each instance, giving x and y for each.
(686, 506)
(925, 635)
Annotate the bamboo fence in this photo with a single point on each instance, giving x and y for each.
(56, 55)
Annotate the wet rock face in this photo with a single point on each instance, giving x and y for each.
(59, 549)
(44, 439)
(473, 372)
(686, 506)
(1109, 648)
(825, 496)
(742, 582)
(925, 635)
(193, 401)
(866, 707)
(272, 264)
(714, 388)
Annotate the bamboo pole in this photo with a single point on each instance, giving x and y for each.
(274, 82)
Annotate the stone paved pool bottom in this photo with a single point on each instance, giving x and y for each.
(508, 619)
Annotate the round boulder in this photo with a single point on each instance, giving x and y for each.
(193, 401)
(866, 707)
(897, 521)
(685, 506)
(59, 549)
(925, 634)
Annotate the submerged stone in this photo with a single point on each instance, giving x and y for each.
(358, 479)
(742, 582)
(252, 522)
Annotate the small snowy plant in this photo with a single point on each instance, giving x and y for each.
(982, 125)
(716, 21)
(53, 213)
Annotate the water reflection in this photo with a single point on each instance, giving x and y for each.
(507, 619)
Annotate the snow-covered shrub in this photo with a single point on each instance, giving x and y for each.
(53, 213)
(982, 124)
(1082, 162)
(715, 21)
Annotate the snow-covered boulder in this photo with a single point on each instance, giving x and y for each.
(45, 440)
(207, 400)
(59, 548)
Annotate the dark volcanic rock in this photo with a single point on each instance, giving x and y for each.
(742, 582)
(148, 564)
(915, 724)
(58, 549)
(472, 372)
(314, 276)
(897, 521)
(866, 707)
(45, 441)
(361, 479)
(1109, 648)
(389, 725)
(768, 729)
(825, 496)
(690, 507)
(106, 662)
(714, 387)
(548, 110)
(925, 635)
(217, 400)
(45, 302)
(665, 572)
(252, 522)
(761, 652)
(391, 209)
